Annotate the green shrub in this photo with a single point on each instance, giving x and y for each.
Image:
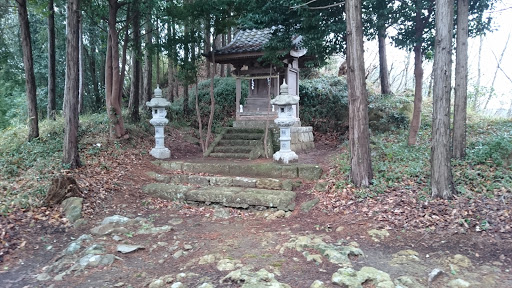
(225, 97)
(324, 106)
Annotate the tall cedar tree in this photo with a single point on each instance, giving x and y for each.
(359, 136)
(441, 177)
(113, 81)
(51, 62)
(134, 103)
(461, 81)
(30, 79)
(71, 99)
(420, 24)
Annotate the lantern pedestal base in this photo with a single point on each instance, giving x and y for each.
(160, 153)
(285, 157)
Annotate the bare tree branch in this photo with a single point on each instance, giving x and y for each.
(316, 8)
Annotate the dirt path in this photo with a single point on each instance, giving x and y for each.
(210, 246)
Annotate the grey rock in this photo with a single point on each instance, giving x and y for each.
(115, 219)
(43, 277)
(116, 238)
(221, 213)
(317, 284)
(249, 279)
(227, 264)
(95, 249)
(458, 283)
(59, 277)
(206, 285)
(408, 282)
(107, 229)
(378, 235)
(348, 277)
(307, 206)
(434, 274)
(178, 254)
(157, 283)
(91, 260)
(72, 248)
(155, 230)
(124, 248)
(72, 208)
(207, 259)
(176, 221)
(177, 285)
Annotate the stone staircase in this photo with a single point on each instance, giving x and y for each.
(239, 143)
(237, 185)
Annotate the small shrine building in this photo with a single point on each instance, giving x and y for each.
(264, 80)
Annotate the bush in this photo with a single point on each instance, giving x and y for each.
(324, 106)
(225, 97)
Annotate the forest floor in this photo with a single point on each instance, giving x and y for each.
(342, 239)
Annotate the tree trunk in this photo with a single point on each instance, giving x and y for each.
(228, 66)
(81, 68)
(148, 63)
(71, 157)
(461, 81)
(383, 63)
(113, 75)
(51, 62)
(359, 136)
(418, 80)
(441, 179)
(28, 63)
(212, 101)
(223, 66)
(157, 39)
(136, 67)
(123, 57)
(186, 61)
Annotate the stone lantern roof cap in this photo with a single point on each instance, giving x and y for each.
(284, 98)
(157, 100)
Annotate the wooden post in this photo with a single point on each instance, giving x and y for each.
(238, 95)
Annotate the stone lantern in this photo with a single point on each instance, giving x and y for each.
(158, 105)
(285, 119)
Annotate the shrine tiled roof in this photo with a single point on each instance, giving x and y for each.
(247, 41)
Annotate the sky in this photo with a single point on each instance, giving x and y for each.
(493, 45)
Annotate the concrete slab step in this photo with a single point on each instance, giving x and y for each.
(243, 136)
(228, 181)
(230, 155)
(237, 197)
(244, 130)
(232, 149)
(249, 143)
(227, 168)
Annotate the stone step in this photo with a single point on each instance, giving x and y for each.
(231, 155)
(232, 149)
(238, 197)
(243, 136)
(248, 143)
(231, 130)
(247, 182)
(229, 168)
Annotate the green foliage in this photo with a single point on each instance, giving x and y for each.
(324, 106)
(323, 29)
(492, 145)
(224, 91)
(487, 169)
